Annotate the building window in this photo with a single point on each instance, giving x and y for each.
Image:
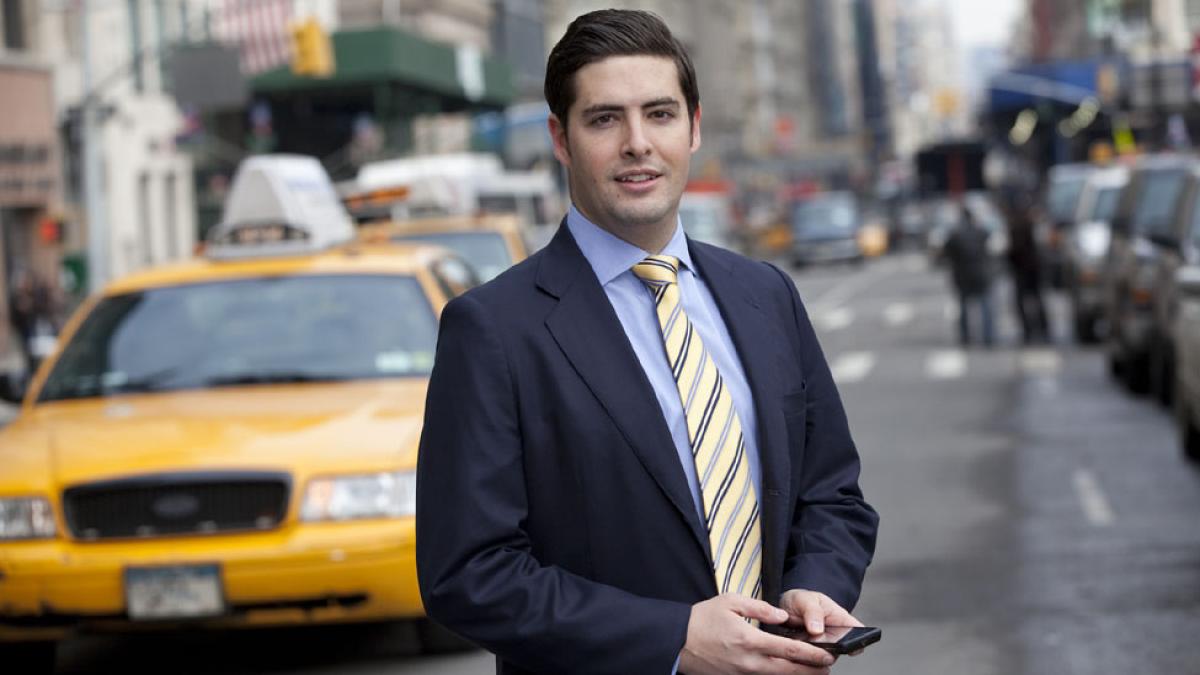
(145, 219)
(135, 43)
(172, 222)
(1193, 15)
(14, 26)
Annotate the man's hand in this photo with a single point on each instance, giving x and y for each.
(720, 641)
(814, 611)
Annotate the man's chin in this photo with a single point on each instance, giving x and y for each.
(646, 217)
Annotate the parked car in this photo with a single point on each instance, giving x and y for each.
(1064, 187)
(1178, 247)
(1186, 329)
(1087, 248)
(825, 228)
(1142, 222)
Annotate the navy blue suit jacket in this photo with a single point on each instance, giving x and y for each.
(554, 522)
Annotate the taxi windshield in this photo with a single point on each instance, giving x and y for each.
(485, 251)
(313, 328)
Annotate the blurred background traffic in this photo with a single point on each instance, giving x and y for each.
(1034, 490)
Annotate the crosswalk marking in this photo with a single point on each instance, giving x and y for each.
(837, 319)
(852, 366)
(898, 313)
(946, 364)
(1041, 362)
(1092, 499)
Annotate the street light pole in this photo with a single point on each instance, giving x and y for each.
(93, 168)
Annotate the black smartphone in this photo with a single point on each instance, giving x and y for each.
(836, 639)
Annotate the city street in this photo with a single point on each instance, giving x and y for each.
(1035, 518)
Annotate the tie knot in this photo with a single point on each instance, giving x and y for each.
(657, 270)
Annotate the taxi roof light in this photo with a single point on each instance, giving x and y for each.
(280, 205)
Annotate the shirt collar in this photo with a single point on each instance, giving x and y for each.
(610, 256)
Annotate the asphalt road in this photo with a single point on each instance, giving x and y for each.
(1035, 518)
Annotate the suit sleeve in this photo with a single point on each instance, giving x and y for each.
(476, 566)
(832, 535)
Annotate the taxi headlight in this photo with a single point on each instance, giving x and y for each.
(26, 518)
(378, 495)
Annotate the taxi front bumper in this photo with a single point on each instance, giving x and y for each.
(306, 573)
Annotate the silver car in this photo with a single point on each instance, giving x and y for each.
(1086, 248)
(1186, 329)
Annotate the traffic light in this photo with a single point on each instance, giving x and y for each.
(312, 50)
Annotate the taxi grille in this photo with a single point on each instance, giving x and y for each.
(176, 505)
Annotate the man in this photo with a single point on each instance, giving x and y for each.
(1025, 261)
(593, 498)
(966, 249)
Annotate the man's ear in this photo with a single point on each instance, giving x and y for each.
(558, 134)
(696, 129)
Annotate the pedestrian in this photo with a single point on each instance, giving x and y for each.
(24, 309)
(592, 499)
(1025, 265)
(967, 251)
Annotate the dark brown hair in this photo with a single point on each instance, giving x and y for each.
(598, 35)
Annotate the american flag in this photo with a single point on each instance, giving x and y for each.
(259, 31)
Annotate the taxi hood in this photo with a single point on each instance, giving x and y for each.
(304, 430)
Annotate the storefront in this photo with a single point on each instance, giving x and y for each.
(31, 221)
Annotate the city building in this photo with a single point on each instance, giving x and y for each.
(147, 212)
(33, 216)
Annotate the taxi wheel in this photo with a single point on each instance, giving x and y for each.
(437, 639)
(28, 657)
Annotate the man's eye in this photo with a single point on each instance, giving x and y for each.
(601, 120)
(662, 114)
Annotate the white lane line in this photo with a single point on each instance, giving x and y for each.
(946, 364)
(842, 292)
(852, 366)
(1044, 362)
(836, 319)
(1092, 499)
(898, 313)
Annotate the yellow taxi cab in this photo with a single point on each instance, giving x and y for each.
(226, 442)
(490, 243)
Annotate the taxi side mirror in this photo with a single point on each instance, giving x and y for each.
(13, 386)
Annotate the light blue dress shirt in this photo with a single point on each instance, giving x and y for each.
(612, 259)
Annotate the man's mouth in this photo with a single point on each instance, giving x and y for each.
(637, 176)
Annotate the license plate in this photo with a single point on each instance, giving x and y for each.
(178, 592)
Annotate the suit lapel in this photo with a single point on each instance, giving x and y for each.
(752, 337)
(587, 329)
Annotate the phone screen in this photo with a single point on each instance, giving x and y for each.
(835, 639)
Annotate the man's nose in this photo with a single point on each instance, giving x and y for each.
(637, 144)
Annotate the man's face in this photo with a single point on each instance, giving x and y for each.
(629, 143)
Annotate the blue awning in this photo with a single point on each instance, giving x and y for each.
(1065, 82)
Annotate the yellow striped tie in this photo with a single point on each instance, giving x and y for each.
(730, 505)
